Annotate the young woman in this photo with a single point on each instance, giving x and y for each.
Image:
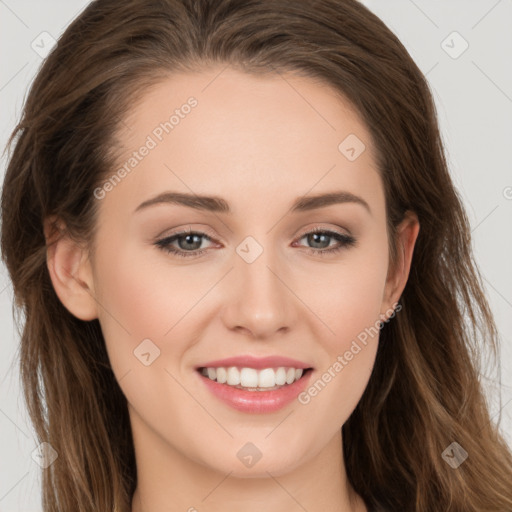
(245, 272)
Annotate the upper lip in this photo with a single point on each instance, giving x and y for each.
(259, 363)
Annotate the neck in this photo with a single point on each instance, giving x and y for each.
(167, 480)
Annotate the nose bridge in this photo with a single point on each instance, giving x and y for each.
(258, 280)
(261, 302)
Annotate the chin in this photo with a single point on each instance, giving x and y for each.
(277, 465)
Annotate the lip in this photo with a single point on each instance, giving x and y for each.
(257, 402)
(258, 363)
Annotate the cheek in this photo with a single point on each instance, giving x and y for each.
(350, 308)
(140, 300)
(145, 293)
(351, 300)
(352, 314)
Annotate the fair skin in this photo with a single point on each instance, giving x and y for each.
(258, 144)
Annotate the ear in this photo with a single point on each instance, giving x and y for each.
(407, 234)
(70, 271)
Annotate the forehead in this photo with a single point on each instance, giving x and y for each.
(233, 134)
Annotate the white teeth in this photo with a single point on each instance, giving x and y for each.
(249, 378)
(233, 376)
(252, 379)
(280, 376)
(267, 378)
(222, 375)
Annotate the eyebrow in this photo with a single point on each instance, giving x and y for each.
(219, 205)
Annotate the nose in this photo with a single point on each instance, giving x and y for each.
(259, 301)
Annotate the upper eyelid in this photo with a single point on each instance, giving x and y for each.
(320, 229)
(206, 234)
(341, 241)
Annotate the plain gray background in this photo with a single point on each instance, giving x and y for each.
(465, 49)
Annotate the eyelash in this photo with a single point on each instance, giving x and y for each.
(346, 241)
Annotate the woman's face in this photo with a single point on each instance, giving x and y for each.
(253, 281)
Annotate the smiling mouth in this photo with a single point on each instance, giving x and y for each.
(251, 379)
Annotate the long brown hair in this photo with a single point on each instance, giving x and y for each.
(424, 393)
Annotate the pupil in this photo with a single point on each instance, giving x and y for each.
(189, 240)
(316, 236)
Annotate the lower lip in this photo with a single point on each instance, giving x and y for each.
(257, 401)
